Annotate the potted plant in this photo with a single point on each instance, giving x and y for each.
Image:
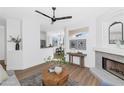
(16, 41)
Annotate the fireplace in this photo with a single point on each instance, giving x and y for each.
(114, 67)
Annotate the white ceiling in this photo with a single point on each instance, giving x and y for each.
(79, 15)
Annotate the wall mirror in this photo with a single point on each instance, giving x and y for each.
(115, 32)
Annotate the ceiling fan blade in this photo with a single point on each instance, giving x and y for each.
(66, 17)
(42, 13)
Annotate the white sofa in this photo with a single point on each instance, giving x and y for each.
(11, 81)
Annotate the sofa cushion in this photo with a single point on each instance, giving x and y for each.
(3, 74)
(11, 81)
(10, 72)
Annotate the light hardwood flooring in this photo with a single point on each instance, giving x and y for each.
(81, 75)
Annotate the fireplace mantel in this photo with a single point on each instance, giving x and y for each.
(113, 51)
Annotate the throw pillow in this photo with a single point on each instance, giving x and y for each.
(3, 74)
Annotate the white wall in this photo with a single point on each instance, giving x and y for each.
(32, 54)
(91, 42)
(2, 43)
(31, 42)
(42, 35)
(76, 60)
(14, 30)
(14, 58)
(103, 23)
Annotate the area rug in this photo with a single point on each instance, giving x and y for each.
(36, 80)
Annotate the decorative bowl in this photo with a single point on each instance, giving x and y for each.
(58, 70)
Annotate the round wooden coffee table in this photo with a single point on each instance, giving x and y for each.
(52, 79)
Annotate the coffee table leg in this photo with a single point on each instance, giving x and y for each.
(43, 83)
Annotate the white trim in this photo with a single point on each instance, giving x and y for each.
(119, 52)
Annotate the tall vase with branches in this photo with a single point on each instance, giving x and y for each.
(17, 41)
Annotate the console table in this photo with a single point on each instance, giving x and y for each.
(80, 55)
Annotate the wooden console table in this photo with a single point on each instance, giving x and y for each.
(80, 55)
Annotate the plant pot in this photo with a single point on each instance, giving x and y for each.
(17, 46)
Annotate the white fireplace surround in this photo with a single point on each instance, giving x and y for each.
(103, 75)
(104, 49)
(114, 51)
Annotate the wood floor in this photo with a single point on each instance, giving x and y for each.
(81, 75)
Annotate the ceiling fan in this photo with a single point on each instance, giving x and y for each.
(53, 19)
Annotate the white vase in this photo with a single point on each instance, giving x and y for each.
(119, 45)
(122, 46)
(58, 70)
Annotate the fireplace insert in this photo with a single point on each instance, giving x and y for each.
(114, 67)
